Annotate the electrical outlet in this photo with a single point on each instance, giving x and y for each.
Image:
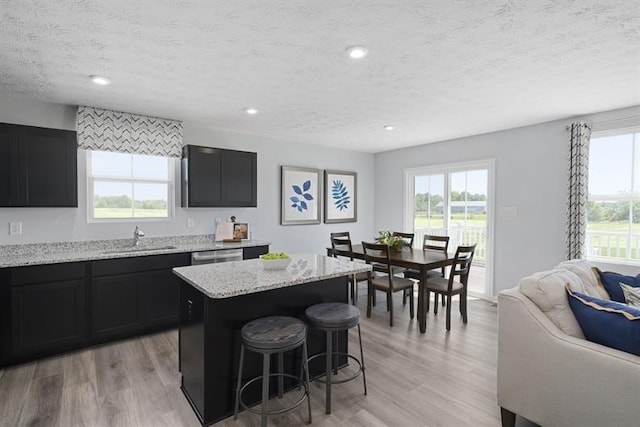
(191, 223)
(15, 228)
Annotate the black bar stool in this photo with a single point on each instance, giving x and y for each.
(335, 317)
(269, 335)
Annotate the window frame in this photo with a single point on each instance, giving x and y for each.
(447, 169)
(170, 182)
(631, 197)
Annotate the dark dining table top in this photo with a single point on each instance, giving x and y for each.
(412, 258)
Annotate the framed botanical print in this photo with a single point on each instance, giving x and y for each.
(340, 203)
(300, 195)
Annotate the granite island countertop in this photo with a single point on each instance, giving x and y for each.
(56, 253)
(230, 279)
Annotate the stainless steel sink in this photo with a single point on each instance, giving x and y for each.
(130, 249)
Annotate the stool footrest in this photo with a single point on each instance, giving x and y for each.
(304, 396)
(338, 353)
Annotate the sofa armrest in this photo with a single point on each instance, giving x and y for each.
(554, 379)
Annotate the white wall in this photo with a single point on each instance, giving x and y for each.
(531, 174)
(70, 224)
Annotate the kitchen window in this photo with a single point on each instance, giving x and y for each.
(123, 186)
(613, 209)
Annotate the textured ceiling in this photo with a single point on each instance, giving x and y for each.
(436, 69)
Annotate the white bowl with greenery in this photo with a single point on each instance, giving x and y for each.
(275, 260)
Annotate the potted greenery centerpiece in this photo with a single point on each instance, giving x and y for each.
(395, 243)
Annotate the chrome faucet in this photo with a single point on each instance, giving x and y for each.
(137, 234)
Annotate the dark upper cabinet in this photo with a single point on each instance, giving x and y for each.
(214, 177)
(239, 174)
(8, 164)
(39, 167)
(47, 167)
(201, 176)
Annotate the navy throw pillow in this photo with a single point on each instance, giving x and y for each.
(611, 282)
(608, 323)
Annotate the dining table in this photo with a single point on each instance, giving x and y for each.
(421, 260)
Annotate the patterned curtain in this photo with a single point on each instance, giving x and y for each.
(578, 189)
(107, 130)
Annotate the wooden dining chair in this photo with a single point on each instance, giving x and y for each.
(378, 256)
(407, 237)
(448, 287)
(408, 243)
(341, 247)
(430, 242)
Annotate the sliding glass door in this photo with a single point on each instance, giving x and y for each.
(455, 200)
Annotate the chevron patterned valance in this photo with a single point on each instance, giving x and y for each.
(107, 130)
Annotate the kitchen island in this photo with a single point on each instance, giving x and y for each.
(216, 300)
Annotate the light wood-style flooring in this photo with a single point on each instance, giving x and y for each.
(436, 379)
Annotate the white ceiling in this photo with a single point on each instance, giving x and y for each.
(436, 69)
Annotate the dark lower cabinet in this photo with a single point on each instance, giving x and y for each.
(254, 252)
(47, 309)
(46, 316)
(160, 304)
(116, 304)
(134, 295)
(128, 303)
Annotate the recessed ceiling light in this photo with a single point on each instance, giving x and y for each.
(100, 80)
(356, 52)
(389, 127)
(251, 110)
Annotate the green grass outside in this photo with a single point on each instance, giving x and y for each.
(479, 219)
(621, 226)
(102, 213)
(473, 220)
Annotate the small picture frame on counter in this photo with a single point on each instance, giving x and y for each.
(240, 231)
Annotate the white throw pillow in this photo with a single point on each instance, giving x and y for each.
(590, 280)
(547, 290)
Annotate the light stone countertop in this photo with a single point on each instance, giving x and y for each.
(56, 253)
(230, 279)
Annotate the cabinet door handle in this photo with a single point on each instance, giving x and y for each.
(190, 309)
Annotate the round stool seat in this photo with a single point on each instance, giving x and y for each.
(333, 315)
(273, 333)
(269, 336)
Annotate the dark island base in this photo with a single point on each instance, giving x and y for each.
(210, 341)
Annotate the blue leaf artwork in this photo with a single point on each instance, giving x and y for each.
(340, 195)
(300, 203)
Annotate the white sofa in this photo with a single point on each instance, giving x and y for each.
(547, 372)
